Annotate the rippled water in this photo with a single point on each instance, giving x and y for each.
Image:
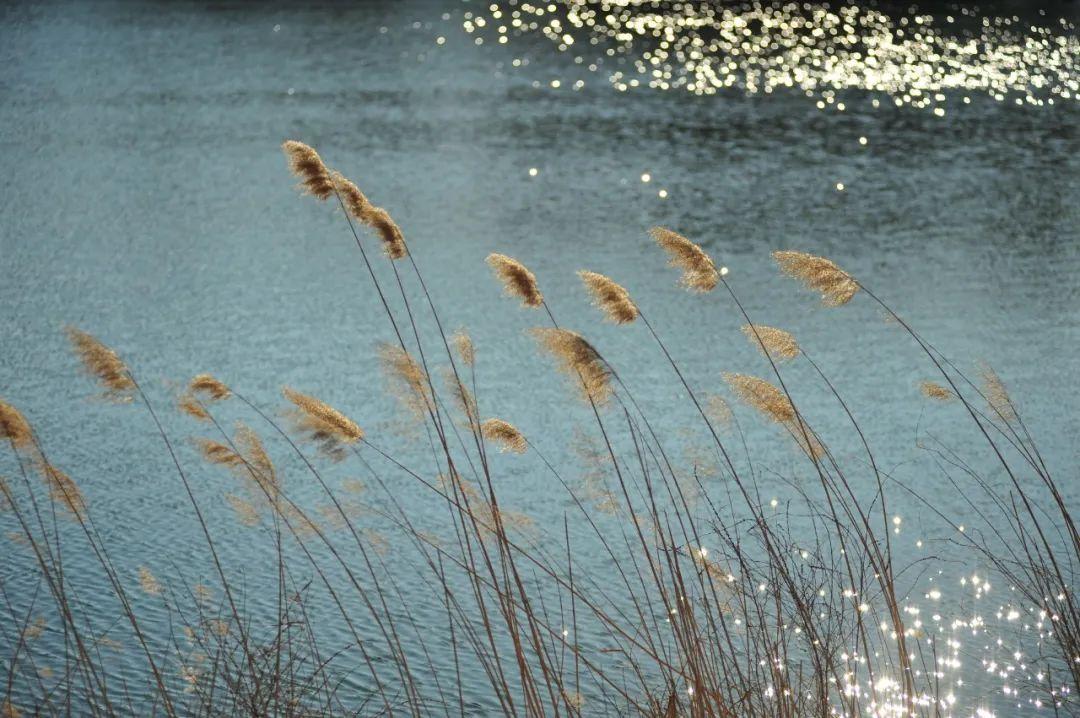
(144, 199)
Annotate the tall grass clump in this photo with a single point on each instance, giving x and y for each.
(647, 584)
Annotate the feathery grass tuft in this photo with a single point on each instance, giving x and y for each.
(505, 435)
(517, 280)
(578, 359)
(465, 349)
(148, 582)
(610, 297)
(408, 381)
(699, 272)
(997, 396)
(836, 286)
(933, 390)
(777, 343)
(323, 423)
(63, 490)
(362, 210)
(762, 396)
(207, 387)
(305, 163)
(102, 362)
(14, 427)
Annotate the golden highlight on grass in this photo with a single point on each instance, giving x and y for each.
(836, 286)
(579, 360)
(517, 280)
(323, 422)
(63, 490)
(763, 396)
(408, 381)
(191, 406)
(305, 163)
(102, 362)
(610, 297)
(14, 427)
(699, 272)
(362, 210)
(933, 390)
(773, 342)
(505, 435)
(206, 386)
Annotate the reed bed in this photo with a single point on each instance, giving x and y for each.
(669, 587)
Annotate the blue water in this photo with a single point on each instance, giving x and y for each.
(143, 198)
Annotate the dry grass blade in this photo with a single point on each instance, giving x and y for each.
(997, 396)
(836, 286)
(362, 210)
(777, 343)
(517, 280)
(578, 359)
(305, 163)
(699, 272)
(763, 396)
(933, 390)
(505, 435)
(610, 297)
(102, 362)
(14, 427)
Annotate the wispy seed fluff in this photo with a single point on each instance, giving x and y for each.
(699, 272)
(14, 427)
(323, 423)
(776, 343)
(933, 390)
(408, 380)
(305, 163)
(103, 363)
(997, 396)
(206, 386)
(362, 210)
(63, 490)
(464, 345)
(610, 297)
(517, 280)
(762, 396)
(836, 286)
(505, 435)
(579, 360)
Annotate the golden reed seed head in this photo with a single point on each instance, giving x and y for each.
(321, 421)
(836, 286)
(207, 387)
(763, 396)
(14, 427)
(579, 360)
(465, 349)
(305, 163)
(718, 410)
(148, 582)
(190, 405)
(103, 363)
(933, 390)
(408, 381)
(257, 460)
(699, 272)
(63, 490)
(517, 280)
(997, 396)
(362, 210)
(610, 297)
(777, 343)
(505, 435)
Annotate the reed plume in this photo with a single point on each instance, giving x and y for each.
(465, 349)
(763, 396)
(933, 390)
(578, 359)
(102, 362)
(63, 490)
(148, 582)
(836, 286)
(14, 427)
(256, 459)
(777, 343)
(699, 272)
(408, 381)
(997, 396)
(505, 435)
(464, 399)
(323, 423)
(517, 280)
(718, 410)
(206, 387)
(362, 210)
(194, 408)
(610, 297)
(305, 163)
